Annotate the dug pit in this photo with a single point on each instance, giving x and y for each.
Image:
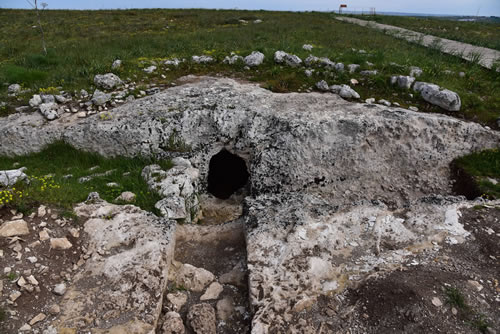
(227, 174)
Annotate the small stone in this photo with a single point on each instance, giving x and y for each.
(212, 292)
(14, 228)
(475, 285)
(193, 278)
(201, 319)
(150, 69)
(21, 282)
(81, 114)
(35, 101)
(14, 89)
(254, 59)
(354, 82)
(437, 302)
(116, 64)
(42, 211)
(60, 243)
(454, 311)
(25, 328)
(235, 277)
(54, 309)
(322, 86)
(38, 318)
(74, 232)
(412, 108)
(59, 289)
(14, 295)
(32, 259)
(112, 185)
(32, 280)
(370, 100)
(44, 235)
(307, 47)
(225, 307)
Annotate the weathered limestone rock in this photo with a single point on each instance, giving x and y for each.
(434, 94)
(100, 98)
(225, 307)
(233, 59)
(120, 287)
(60, 243)
(14, 89)
(307, 47)
(213, 291)
(107, 81)
(201, 319)
(35, 101)
(402, 81)
(343, 150)
(344, 91)
(179, 188)
(126, 196)
(49, 110)
(301, 246)
(177, 299)
(202, 59)
(14, 228)
(116, 64)
(281, 57)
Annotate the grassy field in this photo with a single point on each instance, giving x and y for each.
(84, 43)
(485, 34)
(48, 184)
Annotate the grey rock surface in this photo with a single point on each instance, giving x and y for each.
(281, 57)
(14, 89)
(100, 98)
(35, 101)
(49, 110)
(402, 81)
(202, 59)
(344, 91)
(8, 178)
(116, 64)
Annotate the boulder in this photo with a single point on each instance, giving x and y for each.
(49, 110)
(322, 86)
(100, 98)
(107, 81)
(344, 91)
(256, 58)
(289, 59)
(35, 101)
(14, 89)
(8, 178)
(201, 319)
(444, 98)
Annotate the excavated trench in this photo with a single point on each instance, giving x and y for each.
(215, 245)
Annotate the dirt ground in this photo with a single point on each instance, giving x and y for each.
(456, 292)
(29, 255)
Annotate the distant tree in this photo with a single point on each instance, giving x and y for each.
(34, 4)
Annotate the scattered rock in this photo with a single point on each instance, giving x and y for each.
(384, 102)
(475, 285)
(14, 295)
(8, 178)
(307, 47)
(173, 324)
(177, 299)
(281, 57)
(437, 302)
(353, 67)
(25, 328)
(235, 277)
(254, 59)
(323, 86)
(60, 243)
(60, 99)
(257, 21)
(370, 100)
(126, 196)
(150, 69)
(54, 309)
(44, 235)
(193, 278)
(201, 318)
(434, 94)
(116, 64)
(415, 71)
(339, 67)
(225, 308)
(107, 81)
(49, 110)
(212, 292)
(461, 74)
(81, 114)
(402, 81)
(37, 319)
(368, 72)
(35, 101)
(308, 73)
(233, 59)
(345, 91)
(100, 98)
(42, 211)
(14, 228)
(14, 89)
(413, 108)
(202, 59)
(60, 289)
(172, 62)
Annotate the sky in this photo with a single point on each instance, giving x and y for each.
(452, 7)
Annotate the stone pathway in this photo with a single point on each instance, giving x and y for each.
(466, 51)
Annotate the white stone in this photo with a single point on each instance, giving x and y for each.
(107, 81)
(116, 64)
(14, 228)
(213, 291)
(434, 94)
(59, 289)
(256, 58)
(126, 196)
(35, 101)
(60, 243)
(193, 278)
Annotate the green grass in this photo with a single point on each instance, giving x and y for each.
(455, 298)
(84, 43)
(483, 165)
(60, 159)
(477, 33)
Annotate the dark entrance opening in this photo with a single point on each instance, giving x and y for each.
(227, 173)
